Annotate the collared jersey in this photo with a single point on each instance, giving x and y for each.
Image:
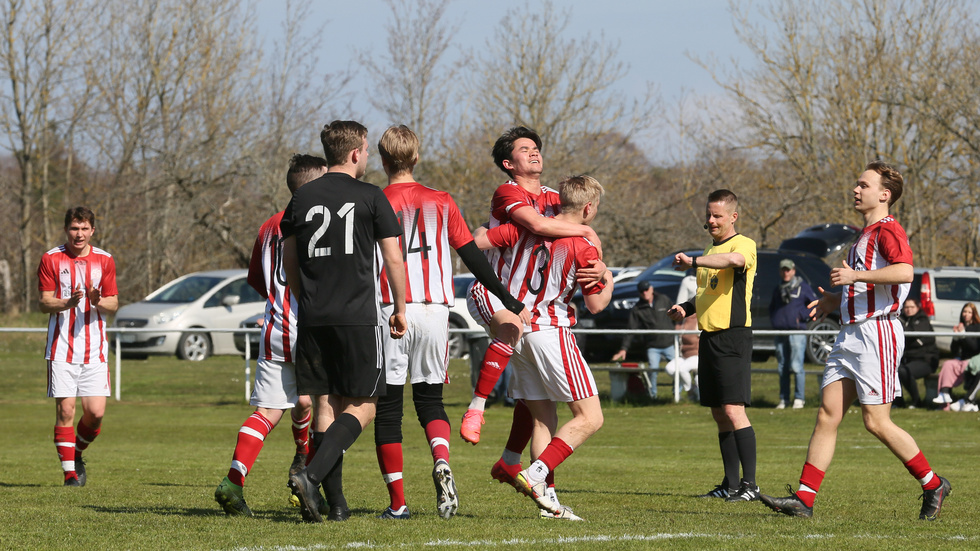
(77, 335)
(277, 340)
(880, 244)
(724, 296)
(543, 275)
(508, 197)
(337, 221)
(431, 226)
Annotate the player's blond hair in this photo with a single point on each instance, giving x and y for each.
(575, 191)
(399, 148)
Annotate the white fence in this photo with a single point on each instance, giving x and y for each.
(118, 331)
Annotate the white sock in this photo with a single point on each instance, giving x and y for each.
(537, 472)
(478, 403)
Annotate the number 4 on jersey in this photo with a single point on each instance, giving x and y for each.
(408, 246)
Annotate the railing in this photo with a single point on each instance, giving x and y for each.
(248, 332)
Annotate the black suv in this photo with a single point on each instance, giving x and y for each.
(667, 281)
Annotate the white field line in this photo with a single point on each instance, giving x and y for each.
(586, 539)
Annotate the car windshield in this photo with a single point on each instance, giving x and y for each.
(664, 267)
(187, 290)
(461, 284)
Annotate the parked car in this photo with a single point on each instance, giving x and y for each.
(943, 292)
(828, 241)
(666, 280)
(252, 322)
(215, 299)
(460, 318)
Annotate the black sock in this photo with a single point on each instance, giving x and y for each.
(745, 441)
(333, 485)
(729, 458)
(339, 436)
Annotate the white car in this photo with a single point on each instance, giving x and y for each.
(218, 299)
(460, 318)
(943, 292)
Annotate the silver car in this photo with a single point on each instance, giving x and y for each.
(215, 299)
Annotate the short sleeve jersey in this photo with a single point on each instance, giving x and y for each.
(77, 335)
(724, 296)
(337, 221)
(507, 198)
(432, 225)
(544, 277)
(880, 244)
(277, 340)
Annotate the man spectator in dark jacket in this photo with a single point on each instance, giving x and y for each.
(787, 310)
(650, 312)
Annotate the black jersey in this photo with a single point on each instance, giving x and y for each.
(337, 221)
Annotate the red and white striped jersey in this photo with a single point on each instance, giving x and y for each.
(880, 244)
(77, 335)
(507, 198)
(432, 224)
(543, 275)
(277, 340)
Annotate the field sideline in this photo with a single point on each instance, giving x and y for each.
(166, 446)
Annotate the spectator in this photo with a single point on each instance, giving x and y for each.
(687, 364)
(787, 310)
(963, 348)
(921, 356)
(650, 312)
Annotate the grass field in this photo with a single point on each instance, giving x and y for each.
(168, 443)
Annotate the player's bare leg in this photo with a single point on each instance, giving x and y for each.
(506, 328)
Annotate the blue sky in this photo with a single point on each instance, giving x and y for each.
(654, 35)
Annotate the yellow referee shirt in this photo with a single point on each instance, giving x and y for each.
(724, 296)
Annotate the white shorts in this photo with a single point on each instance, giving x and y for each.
(482, 305)
(275, 385)
(868, 353)
(548, 365)
(67, 380)
(424, 350)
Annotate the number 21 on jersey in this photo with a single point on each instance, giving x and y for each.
(346, 213)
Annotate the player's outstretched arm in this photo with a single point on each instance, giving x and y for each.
(825, 305)
(391, 253)
(476, 261)
(549, 227)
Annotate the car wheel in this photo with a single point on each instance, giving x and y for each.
(818, 346)
(457, 341)
(194, 346)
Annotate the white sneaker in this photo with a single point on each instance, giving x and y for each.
(446, 496)
(781, 404)
(970, 406)
(536, 491)
(942, 398)
(564, 513)
(957, 405)
(798, 404)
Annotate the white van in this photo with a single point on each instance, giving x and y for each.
(943, 292)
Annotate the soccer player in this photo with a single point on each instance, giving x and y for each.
(549, 367)
(725, 273)
(331, 228)
(77, 285)
(863, 363)
(431, 223)
(275, 375)
(533, 206)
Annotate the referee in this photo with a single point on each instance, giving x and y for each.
(725, 272)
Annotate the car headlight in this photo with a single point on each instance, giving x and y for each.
(167, 317)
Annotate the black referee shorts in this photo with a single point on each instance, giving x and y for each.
(343, 360)
(724, 367)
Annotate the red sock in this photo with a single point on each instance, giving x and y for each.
(437, 433)
(391, 462)
(811, 477)
(919, 468)
(250, 439)
(494, 362)
(556, 452)
(301, 432)
(64, 442)
(520, 428)
(84, 436)
(550, 479)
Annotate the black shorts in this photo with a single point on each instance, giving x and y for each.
(724, 367)
(343, 360)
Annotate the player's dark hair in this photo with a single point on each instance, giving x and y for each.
(399, 149)
(504, 146)
(303, 169)
(891, 179)
(339, 138)
(82, 214)
(724, 196)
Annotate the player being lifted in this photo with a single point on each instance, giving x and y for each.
(431, 223)
(549, 366)
(275, 374)
(532, 206)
